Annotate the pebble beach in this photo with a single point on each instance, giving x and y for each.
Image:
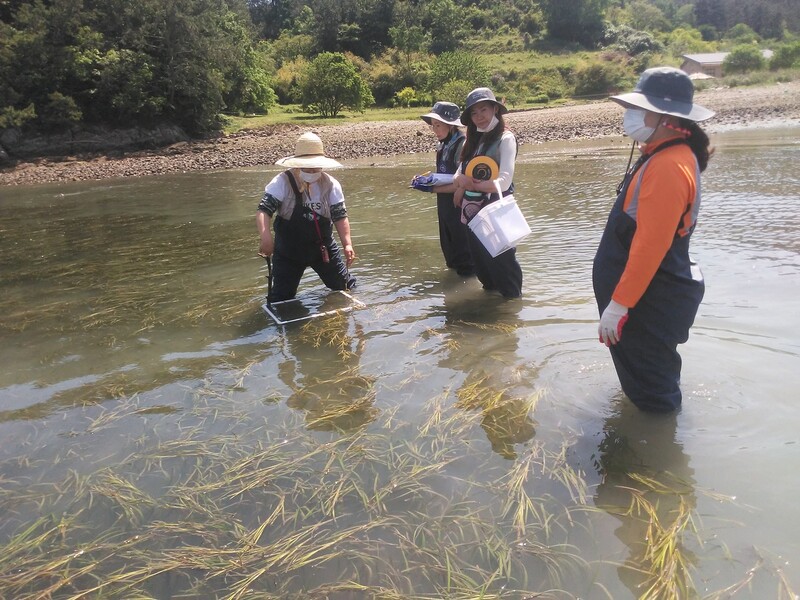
(768, 105)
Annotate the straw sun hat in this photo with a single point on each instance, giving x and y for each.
(308, 154)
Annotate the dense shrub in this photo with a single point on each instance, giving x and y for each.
(742, 59)
(786, 56)
(287, 81)
(743, 34)
(406, 97)
(457, 66)
(600, 78)
(629, 40)
(455, 91)
(60, 111)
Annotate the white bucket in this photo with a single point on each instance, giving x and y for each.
(500, 225)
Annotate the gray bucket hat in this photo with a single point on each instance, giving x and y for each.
(446, 112)
(667, 91)
(480, 95)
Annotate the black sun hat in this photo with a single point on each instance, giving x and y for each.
(667, 91)
(446, 112)
(480, 95)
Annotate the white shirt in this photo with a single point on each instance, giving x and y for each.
(281, 189)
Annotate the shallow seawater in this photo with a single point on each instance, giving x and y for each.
(163, 438)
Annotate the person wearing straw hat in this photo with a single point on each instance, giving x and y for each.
(647, 287)
(306, 204)
(488, 137)
(443, 121)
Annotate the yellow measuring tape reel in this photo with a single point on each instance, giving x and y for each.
(483, 168)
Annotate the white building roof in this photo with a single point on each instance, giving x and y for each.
(717, 58)
(711, 58)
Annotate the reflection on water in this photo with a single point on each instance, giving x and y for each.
(647, 483)
(321, 366)
(162, 437)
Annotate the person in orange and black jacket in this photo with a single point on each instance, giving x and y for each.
(647, 288)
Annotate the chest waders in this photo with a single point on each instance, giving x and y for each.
(501, 273)
(452, 232)
(646, 358)
(299, 243)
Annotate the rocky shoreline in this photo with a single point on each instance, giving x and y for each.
(744, 106)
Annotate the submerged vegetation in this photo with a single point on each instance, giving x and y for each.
(226, 495)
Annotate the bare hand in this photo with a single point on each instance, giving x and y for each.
(267, 246)
(349, 255)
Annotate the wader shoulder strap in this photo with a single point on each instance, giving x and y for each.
(297, 195)
(299, 203)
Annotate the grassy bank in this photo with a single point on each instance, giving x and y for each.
(294, 115)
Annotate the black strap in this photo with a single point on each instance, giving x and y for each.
(643, 159)
(297, 195)
(299, 202)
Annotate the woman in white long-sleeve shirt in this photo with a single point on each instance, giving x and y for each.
(487, 136)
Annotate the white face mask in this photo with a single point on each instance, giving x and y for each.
(633, 124)
(310, 177)
(492, 124)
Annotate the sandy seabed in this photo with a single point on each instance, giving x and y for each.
(735, 107)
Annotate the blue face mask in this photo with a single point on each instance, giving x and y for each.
(633, 124)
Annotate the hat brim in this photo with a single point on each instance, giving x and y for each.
(684, 110)
(466, 119)
(308, 162)
(427, 118)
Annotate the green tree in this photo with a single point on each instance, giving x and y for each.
(786, 56)
(710, 12)
(457, 66)
(332, 83)
(444, 21)
(407, 35)
(743, 58)
(742, 33)
(648, 17)
(684, 15)
(123, 63)
(686, 41)
(575, 20)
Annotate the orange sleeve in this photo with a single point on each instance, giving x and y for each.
(668, 187)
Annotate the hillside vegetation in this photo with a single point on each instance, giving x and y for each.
(205, 64)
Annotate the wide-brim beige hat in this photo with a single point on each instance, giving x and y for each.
(309, 153)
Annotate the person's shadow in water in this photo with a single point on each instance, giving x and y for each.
(647, 483)
(321, 367)
(481, 341)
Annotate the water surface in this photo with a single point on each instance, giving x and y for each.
(162, 437)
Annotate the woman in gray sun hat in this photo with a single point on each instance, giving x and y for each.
(488, 137)
(443, 121)
(647, 287)
(306, 204)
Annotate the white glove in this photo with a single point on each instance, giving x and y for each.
(611, 322)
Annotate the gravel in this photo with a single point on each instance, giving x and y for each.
(736, 107)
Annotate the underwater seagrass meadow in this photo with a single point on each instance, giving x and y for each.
(163, 438)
